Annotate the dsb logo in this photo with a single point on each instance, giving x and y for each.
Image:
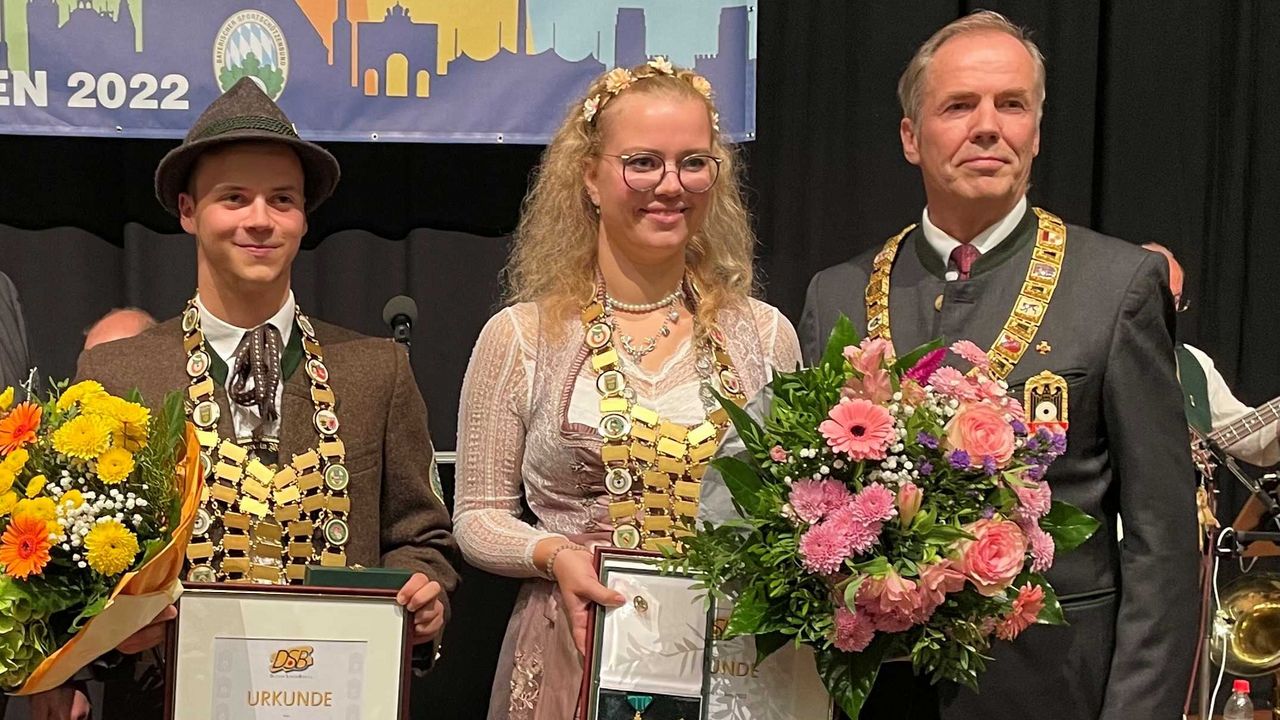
(295, 659)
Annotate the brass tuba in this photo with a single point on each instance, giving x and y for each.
(1246, 629)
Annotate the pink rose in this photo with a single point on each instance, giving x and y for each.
(995, 555)
(892, 602)
(777, 454)
(936, 582)
(981, 430)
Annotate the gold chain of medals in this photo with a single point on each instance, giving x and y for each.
(1028, 310)
(261, 523)
(654, 468)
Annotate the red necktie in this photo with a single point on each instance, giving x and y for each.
(962, 259)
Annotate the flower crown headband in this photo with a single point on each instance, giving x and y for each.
(620, 79)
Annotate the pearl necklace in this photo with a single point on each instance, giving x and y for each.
(650, 342)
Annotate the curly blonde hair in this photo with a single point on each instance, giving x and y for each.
(553, 261)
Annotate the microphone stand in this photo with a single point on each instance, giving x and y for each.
(1241, 539)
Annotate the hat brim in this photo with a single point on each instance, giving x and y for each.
(319, 168)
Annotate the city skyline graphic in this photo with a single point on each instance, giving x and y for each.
(430, 70)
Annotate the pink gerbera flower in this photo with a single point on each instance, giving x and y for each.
(858, 428)
(927, 365)
(1026, 608)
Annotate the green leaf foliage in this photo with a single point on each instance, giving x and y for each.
(849, 676)
(1068, 526)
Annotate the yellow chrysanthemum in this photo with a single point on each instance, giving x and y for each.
(41, 507)
(84, 437)
(114, 465)
(6, 399)
(6, 479)
(111, 548)
(128, 420)
(78, 392)
(72, 499)
(35, 485)
(15, 461)
(7, 501)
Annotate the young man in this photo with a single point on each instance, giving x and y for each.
(1059, 306)
(262, 380)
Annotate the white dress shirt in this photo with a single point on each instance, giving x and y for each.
(985, 241)
(1262, 447)
(223, 338)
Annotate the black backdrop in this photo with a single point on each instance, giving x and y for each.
(1160, 125)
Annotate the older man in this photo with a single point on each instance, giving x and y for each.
(1058, 306)
(118, 324)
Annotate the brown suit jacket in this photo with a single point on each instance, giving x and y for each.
(396, 518)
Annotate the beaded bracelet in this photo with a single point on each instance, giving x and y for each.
(551, 559)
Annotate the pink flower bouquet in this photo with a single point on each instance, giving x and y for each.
(889, 508)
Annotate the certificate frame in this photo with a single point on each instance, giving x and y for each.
(288, 613)
(640, 563)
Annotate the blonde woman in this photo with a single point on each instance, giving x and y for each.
(630, 288)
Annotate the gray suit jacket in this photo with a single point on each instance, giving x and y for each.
(1132, 604)
(15, 360)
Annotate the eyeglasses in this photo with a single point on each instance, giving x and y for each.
(1181, 303)
(644, 171)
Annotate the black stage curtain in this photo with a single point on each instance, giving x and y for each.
(1160, 126)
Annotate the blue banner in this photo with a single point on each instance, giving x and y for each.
(360, 70)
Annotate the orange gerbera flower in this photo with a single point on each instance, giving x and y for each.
(24, 549)
(19, 427)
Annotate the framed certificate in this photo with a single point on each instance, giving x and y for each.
(786, 686)
(647, 658)
(273, 652)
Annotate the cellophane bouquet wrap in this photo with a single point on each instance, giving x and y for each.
(889, 508)
(97, 501)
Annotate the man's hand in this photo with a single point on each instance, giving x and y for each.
(68, 702)
(422, 597)
(149, 636)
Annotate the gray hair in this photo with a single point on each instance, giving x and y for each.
(911, 84)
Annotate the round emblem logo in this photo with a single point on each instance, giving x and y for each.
(614, 426)
(611, 382)
(205, 414)
(718, 337)
(198, 363)
(336, 531)
(202, 574)
(598, 335)
(251, 44)
(336, 477)
(326, 422)
(305, 324)
(190, 318)
(317, 371)
(202, 524)
(206, 465)
(626, 536)
(618, 481)
(729, 381)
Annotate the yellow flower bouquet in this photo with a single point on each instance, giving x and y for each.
(97, 501)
